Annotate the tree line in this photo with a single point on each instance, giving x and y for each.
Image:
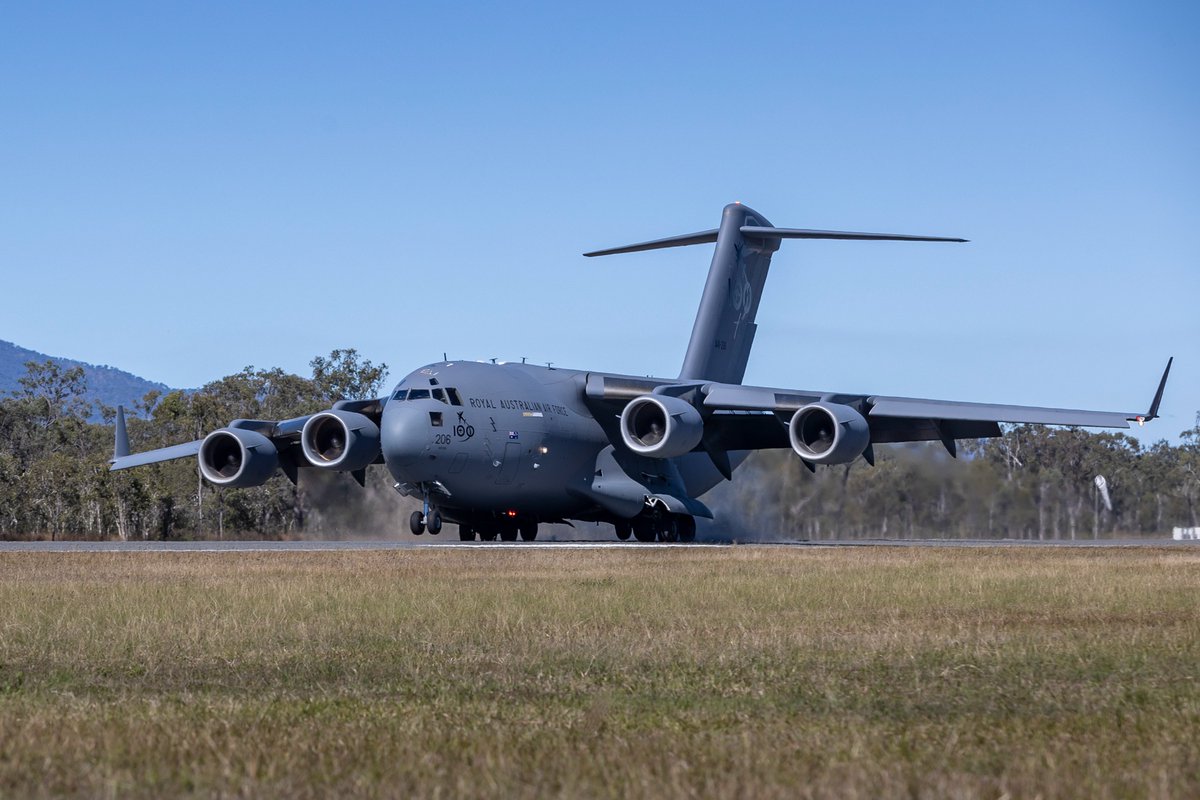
(55, 483)
(1032, 483)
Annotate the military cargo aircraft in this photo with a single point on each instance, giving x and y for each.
(498, 448)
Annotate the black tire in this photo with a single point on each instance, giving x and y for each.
(666, 530)
(466, 533)
(624, 529)
(528, 530)
(434, 526)
(487, 534)
(416, 523)
(644, 530)
(685, 527)
(508, 531)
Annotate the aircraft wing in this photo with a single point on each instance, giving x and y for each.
(743, 415)
(277, 443)
(154, 456)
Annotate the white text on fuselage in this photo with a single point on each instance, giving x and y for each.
(517, 405)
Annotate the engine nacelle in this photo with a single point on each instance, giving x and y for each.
(340, 440)
(828, 433)
(237, 458)
(661, 426)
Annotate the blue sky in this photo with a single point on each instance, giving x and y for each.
(191, 188)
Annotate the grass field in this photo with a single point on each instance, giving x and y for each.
(741, 672)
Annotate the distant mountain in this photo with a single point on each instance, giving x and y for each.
(105, 384)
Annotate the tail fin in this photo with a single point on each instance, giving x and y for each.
(719, 349)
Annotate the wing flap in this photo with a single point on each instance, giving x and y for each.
(891, 430)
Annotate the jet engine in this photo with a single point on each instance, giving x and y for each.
(828, 433)
(340, 440)
(237, 458)
(661, 426)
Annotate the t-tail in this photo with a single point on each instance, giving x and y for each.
(723, 334)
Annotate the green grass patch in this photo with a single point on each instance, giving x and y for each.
(743, 672)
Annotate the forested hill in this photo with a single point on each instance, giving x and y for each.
(105, 384)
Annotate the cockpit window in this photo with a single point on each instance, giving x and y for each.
(450, 396)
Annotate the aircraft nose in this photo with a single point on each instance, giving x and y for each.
(404, 438)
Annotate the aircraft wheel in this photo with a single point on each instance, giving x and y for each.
(528, 530)
(435, 523)
(466, 533)
(644, 530)
(416, 523)
(623, 529)
(508, 531)
(666, 530)
(487, 533)
(685, 528)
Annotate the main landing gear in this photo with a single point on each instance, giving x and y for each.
(658, 528)
(508, 529)
(418, 523)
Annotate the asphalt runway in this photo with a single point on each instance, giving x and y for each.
(367, 544)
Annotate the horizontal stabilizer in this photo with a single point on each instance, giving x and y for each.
(804, 233)
(768, 232)
(703, 237)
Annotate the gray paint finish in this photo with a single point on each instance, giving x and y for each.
(498, 447)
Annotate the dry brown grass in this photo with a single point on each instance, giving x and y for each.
(744, 672)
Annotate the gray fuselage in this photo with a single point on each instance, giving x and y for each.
(481, 438)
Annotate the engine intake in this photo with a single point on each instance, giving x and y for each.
(340, 440)
(661, 426)
(237, 458)
(828, 433)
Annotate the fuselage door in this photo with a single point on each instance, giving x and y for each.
(510, 462)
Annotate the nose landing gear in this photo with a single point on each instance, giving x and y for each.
(418, 523)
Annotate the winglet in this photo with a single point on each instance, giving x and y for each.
(121, 445)
(1142, 419)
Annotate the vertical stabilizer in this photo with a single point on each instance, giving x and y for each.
(724, 330)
